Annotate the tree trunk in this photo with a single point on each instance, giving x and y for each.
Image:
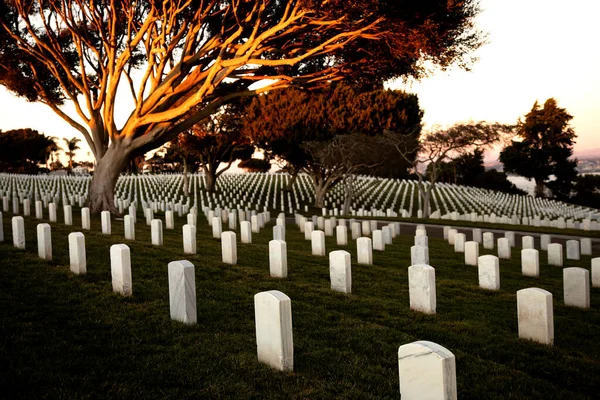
(102, 187)
(319, 192)
(211, 180)
(292, 181)
(539, 187)
(348, 194)
(186, 180)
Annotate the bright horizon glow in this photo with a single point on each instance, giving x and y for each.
(537, 49)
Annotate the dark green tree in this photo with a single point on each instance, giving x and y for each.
(282, 122)
(21, 150)
(544, 147)
(255, 165)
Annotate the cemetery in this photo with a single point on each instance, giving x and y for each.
(252, 292)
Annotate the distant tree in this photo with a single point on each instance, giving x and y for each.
(181, 60)
(217, 140)
(442, 144)
(544, 147)
(281, 122)
(72, 145)
(255, 165)
(51, 150)
(587, 191)
(342, 158)
(21, 150)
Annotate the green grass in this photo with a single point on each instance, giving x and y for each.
(67, 336)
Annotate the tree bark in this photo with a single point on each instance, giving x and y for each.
(106, 174)
(186, 180)
(292, 181)
(319, 191)
(211, 180)
(539, 187)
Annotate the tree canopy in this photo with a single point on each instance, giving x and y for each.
(21, 150)
(181, 60)
(543, 147)
(282, 123)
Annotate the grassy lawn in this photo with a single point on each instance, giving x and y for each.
(67, 336)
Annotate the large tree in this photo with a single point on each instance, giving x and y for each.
(543, 147)
(181, 60)
(439, 145)
(281, 123)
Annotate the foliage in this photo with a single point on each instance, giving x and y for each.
(21, 150)
(544, 147)
(180, 61)
(587, 191)
(72, 145)
(255, 165)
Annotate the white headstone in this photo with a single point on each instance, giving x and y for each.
(422, 240)
(419, 255)
(459, 242)
(511, 238)
(572, 249)
(452, 236)
(39, 209)
(356, 231)
(341, 234)
(366, 228)
(527, 242)
(77, 257)
(364, 251)
(555, 254)
(504, 250)
(545, 241)
(421, 288)
(169, 219)
(488, 240)
(536, 315)
(52, 212)
(189, 239)
(156, 232)
(182, 292)
(120, 267)
(273, 321)
(228, 247)
(477, 237)
(279, 232)
(44, 241)
(340, 271)
(489, 272)
(530, 262)
(586, 246)
(18, 232)
(217, 227)
(308, 229)
(427, 371)
(318, 243)
(246, 232)
(378, 243)
(85, 219)
(105, 219)
(68, 214)
(595, 271)
(471, 253)
(278, 258)
(576, 284)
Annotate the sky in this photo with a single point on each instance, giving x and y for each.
(536, 49)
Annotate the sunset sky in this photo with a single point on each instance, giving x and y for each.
(537, 49)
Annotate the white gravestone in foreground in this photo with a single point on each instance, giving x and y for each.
(489, 272)
(18, 231)
(427, 372)
(555, 254)
(530, 262)
(572, 249)
(536, 315)
(488, 240)
(595, 271)
(156, 232)
(576, 284)
(77, 256)
(273, 323)
(504, 250)
(189, 239)
(278, 258)
(105, 220)
(246, 232)
(341, 233)
(44, 240)
(340, 271)
(318, 243)
(471, 253)
(182, 292)
(364, 251)
(421, 287)
(228, 247)
(120, 267)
